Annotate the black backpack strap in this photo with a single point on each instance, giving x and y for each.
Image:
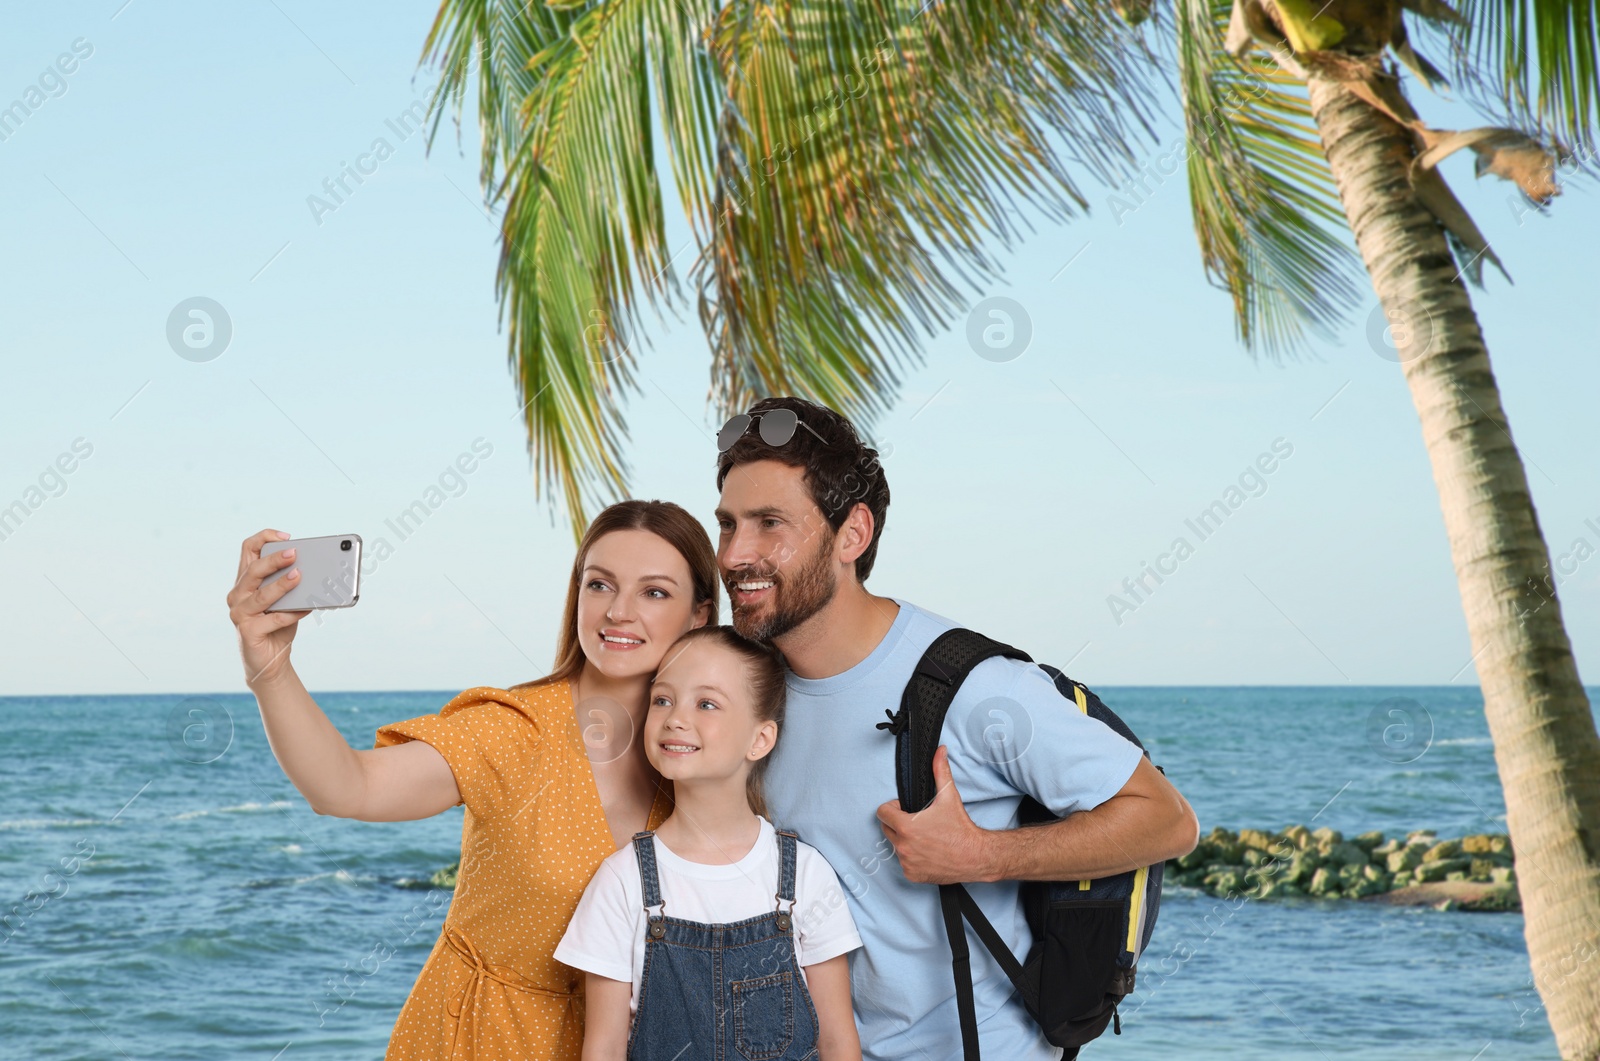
(961, 962)
(927, 697)
(956, 901)
(996, 946)
(923, 706)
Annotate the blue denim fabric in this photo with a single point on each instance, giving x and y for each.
(724, 992)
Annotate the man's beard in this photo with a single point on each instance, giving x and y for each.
(796, 595)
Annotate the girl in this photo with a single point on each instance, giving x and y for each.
(712, 917)
(551, 771)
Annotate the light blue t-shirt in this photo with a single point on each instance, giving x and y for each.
(1008, 732)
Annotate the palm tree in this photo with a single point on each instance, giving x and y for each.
(1326, 75)
(844, 166)
(837, 162)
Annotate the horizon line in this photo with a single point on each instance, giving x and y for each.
(1110, 685)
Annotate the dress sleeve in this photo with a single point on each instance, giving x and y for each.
(489, 738)
(823, 926)
(600, 937)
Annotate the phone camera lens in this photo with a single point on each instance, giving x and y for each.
(345, 545)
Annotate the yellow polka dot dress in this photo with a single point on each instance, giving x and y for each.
(532, 836)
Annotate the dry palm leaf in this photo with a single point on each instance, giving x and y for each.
(1296, 32)
(1506, 153)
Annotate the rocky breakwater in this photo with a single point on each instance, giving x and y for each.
(1470, 873)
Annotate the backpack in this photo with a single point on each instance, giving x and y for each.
(1087, 934)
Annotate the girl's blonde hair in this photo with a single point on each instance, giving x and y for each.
(764, 670)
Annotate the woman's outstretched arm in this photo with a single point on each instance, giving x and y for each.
(398, 783)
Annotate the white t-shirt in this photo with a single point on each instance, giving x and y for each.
(606, 934)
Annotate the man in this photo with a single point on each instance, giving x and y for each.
(802, 511)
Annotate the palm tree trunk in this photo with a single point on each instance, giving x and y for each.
(1545, 744)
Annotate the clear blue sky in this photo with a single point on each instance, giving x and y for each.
(366, 356)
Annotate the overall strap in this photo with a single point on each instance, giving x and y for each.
(645, 849)
(787, 854)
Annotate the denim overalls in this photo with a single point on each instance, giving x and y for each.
(724, 992)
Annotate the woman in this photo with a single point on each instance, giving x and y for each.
(551, 775)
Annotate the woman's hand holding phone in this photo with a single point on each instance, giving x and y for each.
(396, 783)
(264, 637)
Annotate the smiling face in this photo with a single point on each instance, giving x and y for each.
(636, 598)
(702, 723)
(775, 549)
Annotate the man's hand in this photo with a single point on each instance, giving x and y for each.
(938, 844)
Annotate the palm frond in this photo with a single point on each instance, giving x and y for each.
(1266, 211)
(568, 105)
(1536, 63)
(492, 39)
(873, 156)
(846, 167)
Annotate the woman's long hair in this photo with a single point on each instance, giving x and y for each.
(664, 519)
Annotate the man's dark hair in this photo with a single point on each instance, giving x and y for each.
(840, 470)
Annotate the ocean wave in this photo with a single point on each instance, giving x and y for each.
(209, 945)
(242, 808)
(342, 876)
(50, 823)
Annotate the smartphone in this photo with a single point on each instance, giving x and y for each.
(330, 572)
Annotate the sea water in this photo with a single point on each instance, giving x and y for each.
(172, 896)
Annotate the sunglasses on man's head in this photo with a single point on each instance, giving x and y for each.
(776, 427)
